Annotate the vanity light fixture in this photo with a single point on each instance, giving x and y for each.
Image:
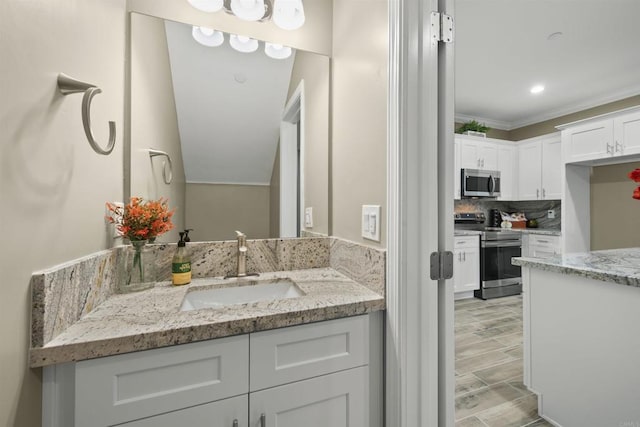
(277, 51)
(286, 14)
(207, 5)
(243, 43)
(537, 89)
(207, 36)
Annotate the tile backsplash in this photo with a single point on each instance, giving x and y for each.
(533, 209)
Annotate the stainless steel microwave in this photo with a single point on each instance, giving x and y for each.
(479, 183)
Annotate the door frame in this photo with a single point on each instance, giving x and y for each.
(419, 330)
(293, 117)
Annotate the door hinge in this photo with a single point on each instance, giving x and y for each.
(441, 27)
(441, 265)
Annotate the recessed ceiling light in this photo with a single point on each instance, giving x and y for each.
(537, 89)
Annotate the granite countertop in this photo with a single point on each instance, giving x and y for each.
(152, 318)
(543, 231)
(621, 266)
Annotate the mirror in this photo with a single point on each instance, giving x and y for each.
(246, 134)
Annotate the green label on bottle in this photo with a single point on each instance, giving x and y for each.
(181, 267)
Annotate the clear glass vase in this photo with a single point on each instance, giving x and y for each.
(138, 269)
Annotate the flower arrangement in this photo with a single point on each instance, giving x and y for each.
(140, 219)
(635, 176)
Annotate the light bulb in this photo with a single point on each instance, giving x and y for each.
(207, 5)
(277, 51)
(537, 89)
(248, 10)
(243, 43)
(207, 36)
(288, 14)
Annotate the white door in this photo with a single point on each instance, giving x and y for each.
(627, 134)
(336, 400)
(529, 160)
(552, 168)
(420, 353)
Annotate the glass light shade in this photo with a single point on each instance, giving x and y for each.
(207, 5)
(207, 36)
(277, 51)
(243, 43)
(288, 14)
(248, 10)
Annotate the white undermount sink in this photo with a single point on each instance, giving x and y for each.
(246, 292)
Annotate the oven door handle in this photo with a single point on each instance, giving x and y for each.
(501, 244)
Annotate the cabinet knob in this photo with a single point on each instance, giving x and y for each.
(537, 193)
(544, 193)
(619, 147)
(609, 148)
(464, 256)
(235, 423)
(263, 420)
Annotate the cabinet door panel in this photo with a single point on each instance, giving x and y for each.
(469, 155)
(116, 389)
(529, 179)
(456, 170)
(285, 355)
(488, 154)
(588, 142)
(506, 166)
(627, 134)
(552, 169)
(222, 413)
(336, 400)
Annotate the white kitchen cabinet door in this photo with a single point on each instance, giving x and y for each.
(469, 154)
(457, 190)
(336, 400)
(488, 155)
(529, 178)
(223, 413)
(552, 168)
(466, 264)
(627, 134)
(588, 142)
(507, 166)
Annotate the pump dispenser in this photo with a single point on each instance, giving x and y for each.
(181, 263)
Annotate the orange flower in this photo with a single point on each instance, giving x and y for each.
(636, 193)
(140, 220)
(635, 175)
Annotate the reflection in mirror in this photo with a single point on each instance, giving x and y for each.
(247, 133)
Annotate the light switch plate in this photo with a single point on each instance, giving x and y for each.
(308, 217)
(371, 222)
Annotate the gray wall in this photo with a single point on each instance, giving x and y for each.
(154, 122)
(53, 185)
(216, 211)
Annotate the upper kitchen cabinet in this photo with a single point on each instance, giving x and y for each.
(507, 161)
(601, 138)
(457, 190)
(540, 168)
(477, 154)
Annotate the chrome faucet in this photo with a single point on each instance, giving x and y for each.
(242, 254)
(242, 257)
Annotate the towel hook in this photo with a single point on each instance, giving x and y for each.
(68, 85)
(153, 153)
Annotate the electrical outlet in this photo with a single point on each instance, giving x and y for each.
(308, 217)
(551, 213)
(371, 222)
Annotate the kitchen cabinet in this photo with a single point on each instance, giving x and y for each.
(540, 245)
(477, 154)
(507, 158)
(466, 265)
(313, 374)
(603, 138)
(540, 168)
(457, 189)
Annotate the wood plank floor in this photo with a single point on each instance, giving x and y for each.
(489, 389)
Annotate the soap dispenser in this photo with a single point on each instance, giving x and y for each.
(181, 263)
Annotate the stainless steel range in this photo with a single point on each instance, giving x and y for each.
(498, 277)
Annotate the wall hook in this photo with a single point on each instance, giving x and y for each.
(68, 85)
(167, 179)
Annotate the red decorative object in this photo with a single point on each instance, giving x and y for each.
(141, 220)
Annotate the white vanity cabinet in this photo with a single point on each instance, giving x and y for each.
(300, 375)
(602, 138)
(540, 170)
(466, 265)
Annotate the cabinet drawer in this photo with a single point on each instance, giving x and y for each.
(460, 242)
(544, 241)
(286, 355)
(222, 413)
(116, 389)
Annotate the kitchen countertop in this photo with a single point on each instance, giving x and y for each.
(152, 318)
(621, 266)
